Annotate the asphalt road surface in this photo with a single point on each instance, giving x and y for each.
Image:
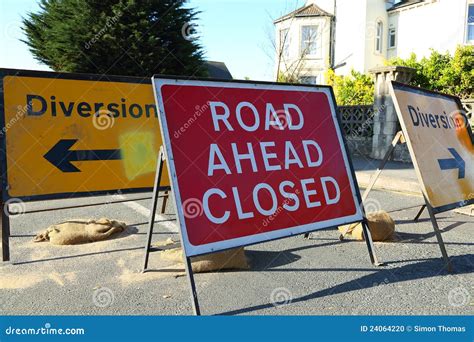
(294, 276)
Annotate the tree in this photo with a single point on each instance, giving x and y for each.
(442, 72)
(353, 89)
(124, 37)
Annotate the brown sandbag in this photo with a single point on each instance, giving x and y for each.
(80, 231)
(225, 260)
(381, 226)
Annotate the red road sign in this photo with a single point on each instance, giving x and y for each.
(252, 162)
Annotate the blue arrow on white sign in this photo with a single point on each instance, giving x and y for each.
(453, 163)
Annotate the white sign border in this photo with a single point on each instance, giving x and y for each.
(192, 250)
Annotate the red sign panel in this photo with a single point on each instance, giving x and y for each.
(253, 162)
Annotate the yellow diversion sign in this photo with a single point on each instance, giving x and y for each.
(67, 135)
(440, 141)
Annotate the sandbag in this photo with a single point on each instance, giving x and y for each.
(381, 226)
(80, 231)
(225, 260)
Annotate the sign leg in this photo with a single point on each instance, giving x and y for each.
(154, 204)
(398, 138)
(5, 227)
(192, 285)
(373, 179)
(419, 212)
(165, 200)
(442, 247)
(370, 243)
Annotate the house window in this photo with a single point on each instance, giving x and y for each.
(284, 42)
(309, 79)
(470, 24)
(309, 44)
(378, 37)
(391, 37)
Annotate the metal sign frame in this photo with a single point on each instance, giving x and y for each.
(402, 137)
(5, 196)
(64, 76)
(163, 155)
(270, 235)
(421, 91)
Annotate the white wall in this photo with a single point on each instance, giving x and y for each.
(313, 65)
(439, 25)
(355, 33)
(350, 35)
(376, 11)
(434, 24)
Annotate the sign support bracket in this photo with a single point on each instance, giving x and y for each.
(437, 231)
(399, 138)
(368, 238)
(5, 227)
(370, 243)
(151, 224)
(423, 207)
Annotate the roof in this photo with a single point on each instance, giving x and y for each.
(218, 70)
(404, 3)
(306, 11)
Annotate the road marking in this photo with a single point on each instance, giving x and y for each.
(162, 220)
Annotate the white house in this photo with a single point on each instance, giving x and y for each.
(362, 34)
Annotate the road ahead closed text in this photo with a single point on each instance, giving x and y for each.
(256, 161)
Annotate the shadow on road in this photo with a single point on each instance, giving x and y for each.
(75, 256)
(418, 238)
(462, 264)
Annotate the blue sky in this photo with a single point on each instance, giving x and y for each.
(236, 32)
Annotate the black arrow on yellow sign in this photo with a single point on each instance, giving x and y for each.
(61, 155)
